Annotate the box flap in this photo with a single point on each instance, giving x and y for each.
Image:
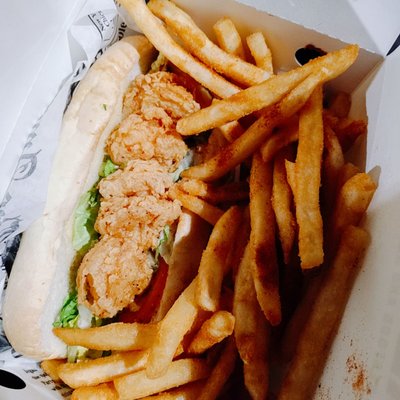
(373, 25)
(376, 295)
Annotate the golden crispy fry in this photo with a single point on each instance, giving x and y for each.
(191, 391)
(286, 135)
(198, 206)
(291, 175)
(104, 391)
(346, 172)
(191, 239)
(228, 37)
(282, 200)
(348, 131)
(353, 201)
(229, 192)
(316, 338)
(298, 320)
(332, 165)
(197, 42)
(214, 263)
(215, 143)
(339, 104)
(308, 181)
(221, 372)
(262, 240)
(117, 336)
(138, 385)
(251, 140)
(176, 323)
(162, 41)
(231, 130)
(251, 331)
(50, 367)
(260, 51)
(215, 329)
(269, 92)
(351, 205)
(92, 372)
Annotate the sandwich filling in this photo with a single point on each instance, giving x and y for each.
(128, 211)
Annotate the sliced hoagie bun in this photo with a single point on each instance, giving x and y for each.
(40, 276)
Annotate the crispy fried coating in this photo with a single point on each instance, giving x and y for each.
(111, 274)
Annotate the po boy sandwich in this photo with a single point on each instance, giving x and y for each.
(108, 222)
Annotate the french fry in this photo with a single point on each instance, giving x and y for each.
(316, 338)
(351, 204)
(190, 391)
(208, 212)
(214, 330)
(308, 180)
(231, 130)
(260, 51)
(282, 200)
(216, 142)
(332, 165)
(185, 258)
(262, 240)
(221, 372)
(252, 139)
(230, 192)
(286, 135)
(176, 323)
(214, 263)
(50, 367)
(138, 385)
(162, 41)
(348, 131)
(299, 318)
(251, 331)
(353, 201)
(291, 175)
(269, 92)
(93, 372)
(228, 37)
(116, 336)
(346, 172)
(340, 104)
(197, 42)
(104, 391)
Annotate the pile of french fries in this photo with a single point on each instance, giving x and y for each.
(282, 201)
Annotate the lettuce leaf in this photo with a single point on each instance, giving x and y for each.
(186, 162)
(84, 236)
(69, 314)
(107, 167)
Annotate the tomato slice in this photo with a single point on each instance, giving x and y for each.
(151, 299)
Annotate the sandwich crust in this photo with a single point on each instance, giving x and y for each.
(40, 276)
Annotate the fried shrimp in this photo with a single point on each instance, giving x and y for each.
(135, 207)
(111, 274)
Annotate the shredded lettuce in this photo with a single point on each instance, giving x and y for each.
(84, 236)
(107, 167)
(186, 162)
(160, 63)
(163, 242)
(69, 314)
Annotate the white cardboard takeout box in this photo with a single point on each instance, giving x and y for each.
(365, 359)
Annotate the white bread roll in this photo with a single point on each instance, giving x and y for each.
(39, 280)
